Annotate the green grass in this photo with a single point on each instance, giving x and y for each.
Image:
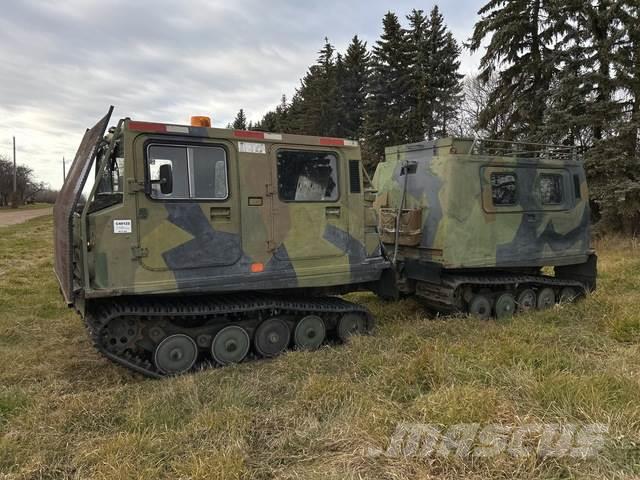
(65, 412)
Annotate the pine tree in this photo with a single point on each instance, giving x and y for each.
(352, 76)
(315, 104)
(582, 101)
(240, 122)
(389, 103)
(613, 113)
(520, 32)
(277, 120)
(419, 114)
(444, 83)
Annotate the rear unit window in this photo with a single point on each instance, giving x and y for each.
(307, 176)
(503, 189)
(197, 172)
(550, 188)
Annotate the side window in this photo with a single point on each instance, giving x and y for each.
(208, 170)
(112, 180)
(550, 188)
(306, 176)
(197, 172)
(503, 189)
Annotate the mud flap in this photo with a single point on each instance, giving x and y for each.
(582, 272)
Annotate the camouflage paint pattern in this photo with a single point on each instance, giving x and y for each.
(461, 226)
(177, 246)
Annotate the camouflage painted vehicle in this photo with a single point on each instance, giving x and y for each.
(480, 220)
(199, 245)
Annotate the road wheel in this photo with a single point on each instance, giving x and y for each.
(272, 337)
(526, 300)
(175, 354)
(309, 333)
(480, 306)
(505, 306)
(351, 324)
(230, 345)
(546, 298)
(568, 295)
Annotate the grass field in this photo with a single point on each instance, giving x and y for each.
(67, 412)
(31, 206)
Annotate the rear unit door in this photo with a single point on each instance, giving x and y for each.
(310, 203)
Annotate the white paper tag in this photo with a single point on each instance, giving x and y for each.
(122, 226)
(250, 147)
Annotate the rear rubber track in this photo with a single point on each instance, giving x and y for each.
(446, 296)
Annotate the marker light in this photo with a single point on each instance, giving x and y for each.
(200, 121)
(257, 267)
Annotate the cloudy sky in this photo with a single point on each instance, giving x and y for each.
(63, 62)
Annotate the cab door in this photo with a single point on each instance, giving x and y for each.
(310, 204)
(192, 226)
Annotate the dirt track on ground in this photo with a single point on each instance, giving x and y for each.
(12, 217)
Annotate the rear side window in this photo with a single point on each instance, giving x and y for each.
(504, 189)
(550, 189)
(576, 186)
(307, 176)
(197, 172)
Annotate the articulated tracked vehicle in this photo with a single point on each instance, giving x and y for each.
(486, 227)
(198, 245)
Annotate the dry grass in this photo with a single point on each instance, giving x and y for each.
(67, 413)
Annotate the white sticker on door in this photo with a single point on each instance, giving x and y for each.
(122, 226)
(251, 147)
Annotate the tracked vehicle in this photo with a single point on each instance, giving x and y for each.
(486, 227)
(198, 245)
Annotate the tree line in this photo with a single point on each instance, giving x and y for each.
(567, 72)
(27, 188)
(552, 71)
(407, 88)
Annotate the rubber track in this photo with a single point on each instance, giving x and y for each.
(451, 282)
(193, 307)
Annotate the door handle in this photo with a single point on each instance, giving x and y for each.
(220, 213)
(332, 212)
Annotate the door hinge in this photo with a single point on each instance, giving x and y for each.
(134, 186)
(269, 189)
(139, 252)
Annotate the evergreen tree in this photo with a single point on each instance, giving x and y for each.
(240, 122)
(443, 82)
(389, 103)
(315, 105)
(582, 101)
(436, 85)
(613, 113)
(419, 114)
(520, 32)
(352, 76)
(339, 108)
(277, 120)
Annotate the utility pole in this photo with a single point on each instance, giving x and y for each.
(64, 170)
(14, 200)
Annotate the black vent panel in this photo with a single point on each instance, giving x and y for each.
(354, 176)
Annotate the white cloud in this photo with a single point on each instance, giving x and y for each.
(63, 62)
